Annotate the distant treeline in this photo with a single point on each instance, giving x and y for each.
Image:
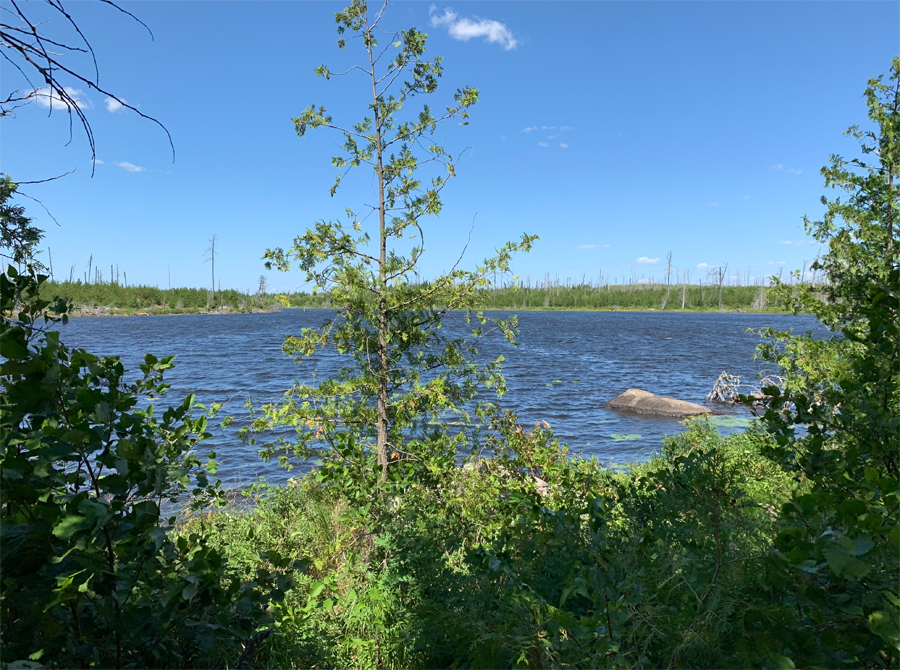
(87, 298)
(630, 296)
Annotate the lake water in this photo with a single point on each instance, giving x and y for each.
(567, 366)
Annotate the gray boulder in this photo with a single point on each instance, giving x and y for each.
(637, 401)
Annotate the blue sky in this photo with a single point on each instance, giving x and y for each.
(616, 131)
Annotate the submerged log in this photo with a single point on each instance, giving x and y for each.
(637, 401)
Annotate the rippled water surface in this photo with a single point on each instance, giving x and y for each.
(567, 366)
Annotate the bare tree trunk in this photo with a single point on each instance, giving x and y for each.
(381, 444)
(722, 272)
(668, 278)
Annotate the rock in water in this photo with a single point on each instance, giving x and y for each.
(642, 402)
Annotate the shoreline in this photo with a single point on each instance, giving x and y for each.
(104, 312)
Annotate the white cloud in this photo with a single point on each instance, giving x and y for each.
(643, 260)
(465, 29)
(705, 266)
(529, 129)
(775, 263)
(548, 127)
(563, 145)
(795, 243)
(97, 161)
(503, 137)
(47, 97)
(746, 197)
(712, 204)
(113, 105)
(543, 144)
(565, 128)
(779, 166)
(593, 246)
(130, 167)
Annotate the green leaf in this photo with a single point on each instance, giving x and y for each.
(316, 589)
(886, 627)
(71, 524)
(841, 557)
(780, 662)
(189, 591)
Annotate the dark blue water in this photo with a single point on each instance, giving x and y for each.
(567, 366)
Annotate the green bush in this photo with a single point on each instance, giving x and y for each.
(90, 574)
(523, 556)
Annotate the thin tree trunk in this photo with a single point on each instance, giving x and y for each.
(381, 444)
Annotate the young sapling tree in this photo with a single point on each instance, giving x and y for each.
(405, 374)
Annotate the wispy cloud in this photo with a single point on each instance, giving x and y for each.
(529, 129)
(565, 128)
(593, 246)
(779, 166)
(712, 204)
(97, 161)
(775, 263)
(464, 29)
(47, 97)
(130, 167)
(113, 105)
(563, 145)
(746, 197)
(706, 266)
(643, 260)
(795, 243)
(543, 144)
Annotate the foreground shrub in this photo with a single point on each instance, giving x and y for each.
(522, 556)
(90, 575)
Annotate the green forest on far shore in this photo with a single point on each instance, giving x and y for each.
(102, 299)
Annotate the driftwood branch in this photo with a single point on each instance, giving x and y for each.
(728, 389)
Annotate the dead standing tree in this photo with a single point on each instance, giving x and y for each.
(210, 255)
(718, 274)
